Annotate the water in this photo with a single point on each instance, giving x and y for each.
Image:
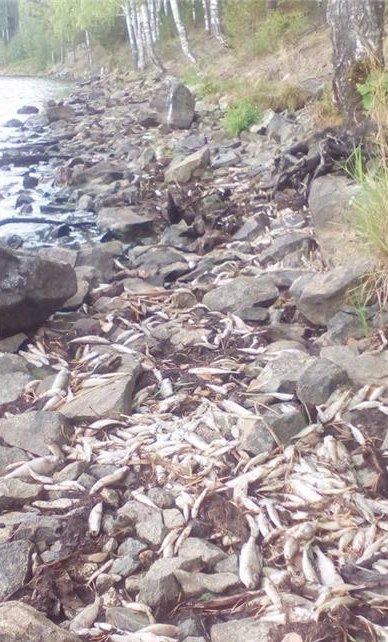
(14, 93)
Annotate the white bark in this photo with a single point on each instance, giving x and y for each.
(205, 4)
(181, 31)
(153, 20)
(193, 11)
(88, 47)
(215, 24)
(151, 56)
(131, 31)
(165, 7)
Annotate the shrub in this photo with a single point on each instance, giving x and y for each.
(278, 28)
(241, 116)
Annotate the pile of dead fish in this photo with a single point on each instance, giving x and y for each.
(175, 517)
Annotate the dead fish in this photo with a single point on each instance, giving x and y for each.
(327, 571)
(108, 480)
(95, 519)
(89, 340)
(251, 560)
(86, 617)
(40, 465)
(165, 630)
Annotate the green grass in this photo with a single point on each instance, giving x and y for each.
(241, 116)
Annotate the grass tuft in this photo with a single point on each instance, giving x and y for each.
(241, 116)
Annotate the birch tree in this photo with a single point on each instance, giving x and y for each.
(357, 35)
(215, 24)
(181, 31)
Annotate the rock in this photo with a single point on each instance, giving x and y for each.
(243, 630)
(13, 122)
(102, 172)
(147, 118)
(319, 380)
(285, 244)
(181, 170)
(20, 622)
(194, 548)
(59, 112)
(86, 203)
(86, 275)
(330, 201)
(28, 109)
(159, 587)
(318, 296)
(173, 518)
(148, 521)
(14, 493)
(10, 455)
(282, 373)
(123, 222)
(29, 182)
(228, 565)
(36, 121)
(343, 324)
(14, 565)
(32, 431)
(31, 289)
(14, 375)
(228, 158)
(13, 343)
(191, 143)
(126, 619)
(242, 293)
(252, 227)
(110, 400)
(362, 369)
(101, 258)
(175, 105)
(283, 421)
(196, 583)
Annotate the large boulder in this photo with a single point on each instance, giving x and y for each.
(181, 170)
(31, 289)
(123, 222)
(59, 112)
(174, 105)
(330, 202)
(22, 622)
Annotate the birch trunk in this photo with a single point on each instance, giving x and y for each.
(88, 47)
(150, 56)
(215, 24)
(181, 31)
(357, 36)
(131, 34)
(206, 14)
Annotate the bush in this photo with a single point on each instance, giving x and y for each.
(241, 116)
(278, 28)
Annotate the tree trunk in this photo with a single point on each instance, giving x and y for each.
(88, 47)
(131, 34)
(151, 56)
(215, 24)
(181, 31)
(205, 4)
(357, 36)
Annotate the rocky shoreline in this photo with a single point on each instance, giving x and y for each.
(193, 445)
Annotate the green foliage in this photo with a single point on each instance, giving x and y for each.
(241, 116)
(247, 23)
(374, 90)
(278, 28)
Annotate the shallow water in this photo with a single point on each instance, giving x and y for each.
(14, 93)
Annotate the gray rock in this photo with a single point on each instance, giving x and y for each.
(31, 289)
(283, 421)
(36, 121)
(226, 159)
(131, 546)
(72, 471)
(362, 369)
(282, 373)
(284, 245)
(252, 227)
(126, 619)
(228, 565)
(161, 497)
(36, 527)
(28, 109)
(14, 493)
(330, 201)
(123, 222)
(14, 376)
(32, 431)
(159, 587)
(194, 548)
(20, 622)
(13, 122)
(101, 258)
(196, 583)
(110, 400)
(181, 170)
(191, 143)
(124, 566)
(242, 293)
(319, 380)
(244, 630)
(175, 105)
(173, 518)
(148, 117)
(60, 112)
(12, 344)
(10, 455)
(14, 565)
(147, 521)
(318, 296)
